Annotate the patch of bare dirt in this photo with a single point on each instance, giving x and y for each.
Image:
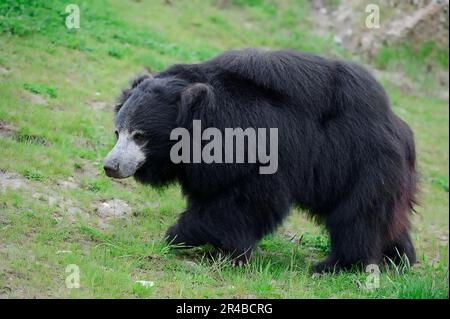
(36, 99)
(98, 105)
(70, 183)
(7, 129)
(64, 208)
(11, 180)
(74, 213)
(411, 21)
(84, 168)
(4, 70)
(399, 21)
(398, 78)
(87, 144)
(408, 86)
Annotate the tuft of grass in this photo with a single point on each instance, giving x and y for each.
(440, 181)
(33, 175)
(95, 185)
(40, 89)
(143, 291)
(318, 242)
(117, 52)
(31, 139)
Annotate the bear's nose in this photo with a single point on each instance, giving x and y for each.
(110, 170)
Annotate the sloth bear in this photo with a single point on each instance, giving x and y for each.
(343, 155)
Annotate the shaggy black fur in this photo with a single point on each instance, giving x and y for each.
(344, 156)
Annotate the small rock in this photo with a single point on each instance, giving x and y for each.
(145, 283)
(337, 39)
(59, 252)
(114, 208)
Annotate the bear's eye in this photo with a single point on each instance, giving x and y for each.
(139, 138)
(117, 134)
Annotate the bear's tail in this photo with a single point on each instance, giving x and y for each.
(400, 243)
(412, 183)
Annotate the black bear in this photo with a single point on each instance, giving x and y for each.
(343, 155)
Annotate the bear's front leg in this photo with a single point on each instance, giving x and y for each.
(196, 227)
(233, 221)
(187, 232)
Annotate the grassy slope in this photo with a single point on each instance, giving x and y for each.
(66, 137)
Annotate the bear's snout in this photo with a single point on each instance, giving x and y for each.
(111, 171)
(125, 158)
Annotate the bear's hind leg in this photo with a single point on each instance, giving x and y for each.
(353, 243)
(397, 251)
(356, 231)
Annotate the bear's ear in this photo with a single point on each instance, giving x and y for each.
(127, 92)
(195, 100)
(137, 80)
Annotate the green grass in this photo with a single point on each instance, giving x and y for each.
(65, 138)
(410, 54)
(40, 89)
(415, 61)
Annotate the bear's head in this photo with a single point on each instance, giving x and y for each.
(146, 114)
